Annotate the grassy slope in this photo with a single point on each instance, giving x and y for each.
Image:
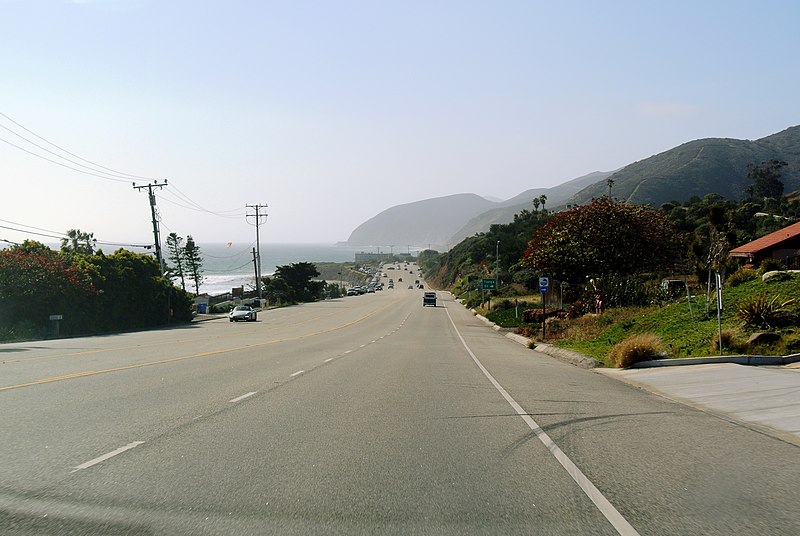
(673, 322)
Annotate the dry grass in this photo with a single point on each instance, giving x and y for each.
(638, 348)
(731, 340)
(590, 326)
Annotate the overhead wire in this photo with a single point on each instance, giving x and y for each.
(47, 233)
(128, 175)
(109, 174)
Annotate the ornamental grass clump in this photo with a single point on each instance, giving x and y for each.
(759, 311)
(730, 341)
(644, 347)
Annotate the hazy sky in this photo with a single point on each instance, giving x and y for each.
(332, 111)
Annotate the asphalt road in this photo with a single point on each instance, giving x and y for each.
(364, 415)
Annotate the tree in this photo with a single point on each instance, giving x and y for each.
(177, 255)
(610, 184)
(766, 180)
(604, 238)
(296, 280)
(194, 263)
(543, 200)
(78, 242)
(536, 202)
(36, 282)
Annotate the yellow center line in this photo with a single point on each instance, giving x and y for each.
(151, 345)
(193, 356)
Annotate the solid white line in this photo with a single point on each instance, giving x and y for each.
(239, 398)
(104, 457)
(606, 508)
(297, 373)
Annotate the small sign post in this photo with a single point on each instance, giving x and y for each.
(56, 319)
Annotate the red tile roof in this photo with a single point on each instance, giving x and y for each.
(768, 241)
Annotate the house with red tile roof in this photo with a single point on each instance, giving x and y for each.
(782, 245)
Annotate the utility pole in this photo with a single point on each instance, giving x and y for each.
(497, 264)
(154, 213)
(257, 222)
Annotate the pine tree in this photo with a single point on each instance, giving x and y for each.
(194, 263)
(176, 256)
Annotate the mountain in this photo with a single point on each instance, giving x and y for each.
(700, 167)
(422, 223)
(696, 168)
(504, 212)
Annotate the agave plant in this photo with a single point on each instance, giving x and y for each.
(764, 312)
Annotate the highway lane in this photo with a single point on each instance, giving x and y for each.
(364, 415)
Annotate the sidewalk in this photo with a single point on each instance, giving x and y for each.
(766, 398)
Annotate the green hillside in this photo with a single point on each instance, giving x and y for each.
(700, 167)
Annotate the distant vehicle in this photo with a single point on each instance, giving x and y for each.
(242, 312)
(429, 299)
(352, 292)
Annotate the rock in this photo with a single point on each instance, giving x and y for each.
(763, 338)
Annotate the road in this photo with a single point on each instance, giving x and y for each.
(364, 415)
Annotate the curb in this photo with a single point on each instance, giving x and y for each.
(752, 360)
(568, 356)
(575, 358)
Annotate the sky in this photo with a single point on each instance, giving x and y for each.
(330, 112)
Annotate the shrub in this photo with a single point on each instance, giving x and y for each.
(503, 304)
(730, 341)
(741, 276)
(792, 343)
(769, 265)
(635, 349)
(762, 312)
(555, 327)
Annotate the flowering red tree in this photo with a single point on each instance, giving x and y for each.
(603, 238)
(36, 281)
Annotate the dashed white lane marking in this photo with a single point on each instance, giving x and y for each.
(328, 360)
(239, 398)
(363, 346)
(296, 373)
(104, 457)
(604, 505)
(347, 352)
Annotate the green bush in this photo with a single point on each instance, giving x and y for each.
(769, 265)
(644, 347)
(740, 276)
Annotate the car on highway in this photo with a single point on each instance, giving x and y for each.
(242, 312)
(429, 299)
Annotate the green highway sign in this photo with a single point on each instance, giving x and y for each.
(489, 284)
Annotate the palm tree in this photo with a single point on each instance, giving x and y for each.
(78, 242)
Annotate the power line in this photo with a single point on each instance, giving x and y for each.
(128, 175)
(61, 164)
(47, 233)
(109, 174)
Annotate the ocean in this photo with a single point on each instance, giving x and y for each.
(228, 266)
